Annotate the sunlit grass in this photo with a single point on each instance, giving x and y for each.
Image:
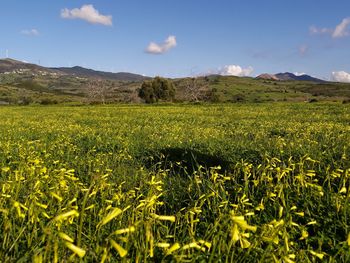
(95, 184)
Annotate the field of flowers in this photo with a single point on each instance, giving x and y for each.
(200, 183)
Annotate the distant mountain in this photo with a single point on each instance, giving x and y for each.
(11, 65)
(90, 73)
(291, 76)
(287, 76)
(15, 66)
(267, 77)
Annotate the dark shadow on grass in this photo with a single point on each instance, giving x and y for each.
(185, 161)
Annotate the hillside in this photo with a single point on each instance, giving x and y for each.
(244, 89)
(89, 73)
(9, 66)
(291, 76)
(287, 76)
(24, 83)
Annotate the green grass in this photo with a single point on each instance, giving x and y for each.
(206, 183)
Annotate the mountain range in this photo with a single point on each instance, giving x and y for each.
(11, 66)
(15, 66)
(287, 76)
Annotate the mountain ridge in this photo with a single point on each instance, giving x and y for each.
(9, 65)
(287, 76)
(85, 72)
(14, 66)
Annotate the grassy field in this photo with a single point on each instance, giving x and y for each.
(204, 183)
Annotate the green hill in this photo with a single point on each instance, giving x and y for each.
(238, 89)
(23, 83)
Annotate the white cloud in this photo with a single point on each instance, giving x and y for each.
(299, 73)
(341, 30)
(30, 32)
(169, 43)
(235, 70)
(320, 31)
(341, 76)
(87, 13)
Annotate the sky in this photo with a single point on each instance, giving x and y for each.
(182, 38)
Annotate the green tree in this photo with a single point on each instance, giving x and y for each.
(146, 92)
(157, 89)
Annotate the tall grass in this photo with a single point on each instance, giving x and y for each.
(107, 184)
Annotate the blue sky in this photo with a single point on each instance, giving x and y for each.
(189, 37)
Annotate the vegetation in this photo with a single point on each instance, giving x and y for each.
(215, 183)
(158, 89)
(90, 90)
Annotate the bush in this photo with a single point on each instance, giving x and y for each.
(25, 101)
(238, 98)
(313, 100)
(157, 89)
(213, 95)
(48, 101)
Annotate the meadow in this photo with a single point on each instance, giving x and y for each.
(257, 182)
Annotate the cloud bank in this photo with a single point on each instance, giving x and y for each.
(154, 48)
(87, 13)
(235, 70)
(30, 32)
(341, 76)
(341, 30)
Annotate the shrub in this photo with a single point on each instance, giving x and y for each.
(313, 100)
(48, 101)
(238, 98)
(25, 101)
(157, 89)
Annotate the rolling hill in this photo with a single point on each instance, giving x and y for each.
(15, 66)
(291, 76)
(25, 83)
(90, 73)
(287, 76)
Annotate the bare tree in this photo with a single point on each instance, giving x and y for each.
(97, 91)
(193, 89)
